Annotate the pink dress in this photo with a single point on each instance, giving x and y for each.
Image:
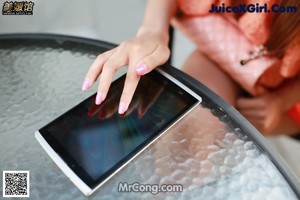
(255, 26)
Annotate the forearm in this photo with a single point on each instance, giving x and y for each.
(289, 93)
(158, 15)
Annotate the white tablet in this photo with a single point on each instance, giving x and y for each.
(91, 143)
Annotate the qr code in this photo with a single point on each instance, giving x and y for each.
(15, 183)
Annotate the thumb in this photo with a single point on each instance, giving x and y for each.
(156, 58)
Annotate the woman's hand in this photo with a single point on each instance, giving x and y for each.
(141, 102)
(142, 54)
(264, 112)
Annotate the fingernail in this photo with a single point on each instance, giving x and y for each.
(122, 108)
(141, 69)
(86, 84)
(98, 98)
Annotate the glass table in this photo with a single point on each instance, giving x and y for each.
(213, 152)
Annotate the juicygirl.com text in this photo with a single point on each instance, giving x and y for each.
(252, 8)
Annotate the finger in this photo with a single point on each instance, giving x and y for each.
(158, 57)
(134, 72)
(249, 103)
(115, 61)
(95, 69)
(130, 85)
(260, 114)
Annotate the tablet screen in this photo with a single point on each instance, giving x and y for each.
(95, 140)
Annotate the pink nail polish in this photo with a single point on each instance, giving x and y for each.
(122, 108)
(98, 98)
(86, 84)
(141, 69)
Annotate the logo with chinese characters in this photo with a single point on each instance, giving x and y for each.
(17, 8)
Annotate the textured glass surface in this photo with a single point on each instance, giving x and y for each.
(39, 80)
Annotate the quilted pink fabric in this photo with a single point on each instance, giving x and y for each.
(226, 45)
(254, 26)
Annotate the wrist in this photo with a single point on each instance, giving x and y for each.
(162, 34)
